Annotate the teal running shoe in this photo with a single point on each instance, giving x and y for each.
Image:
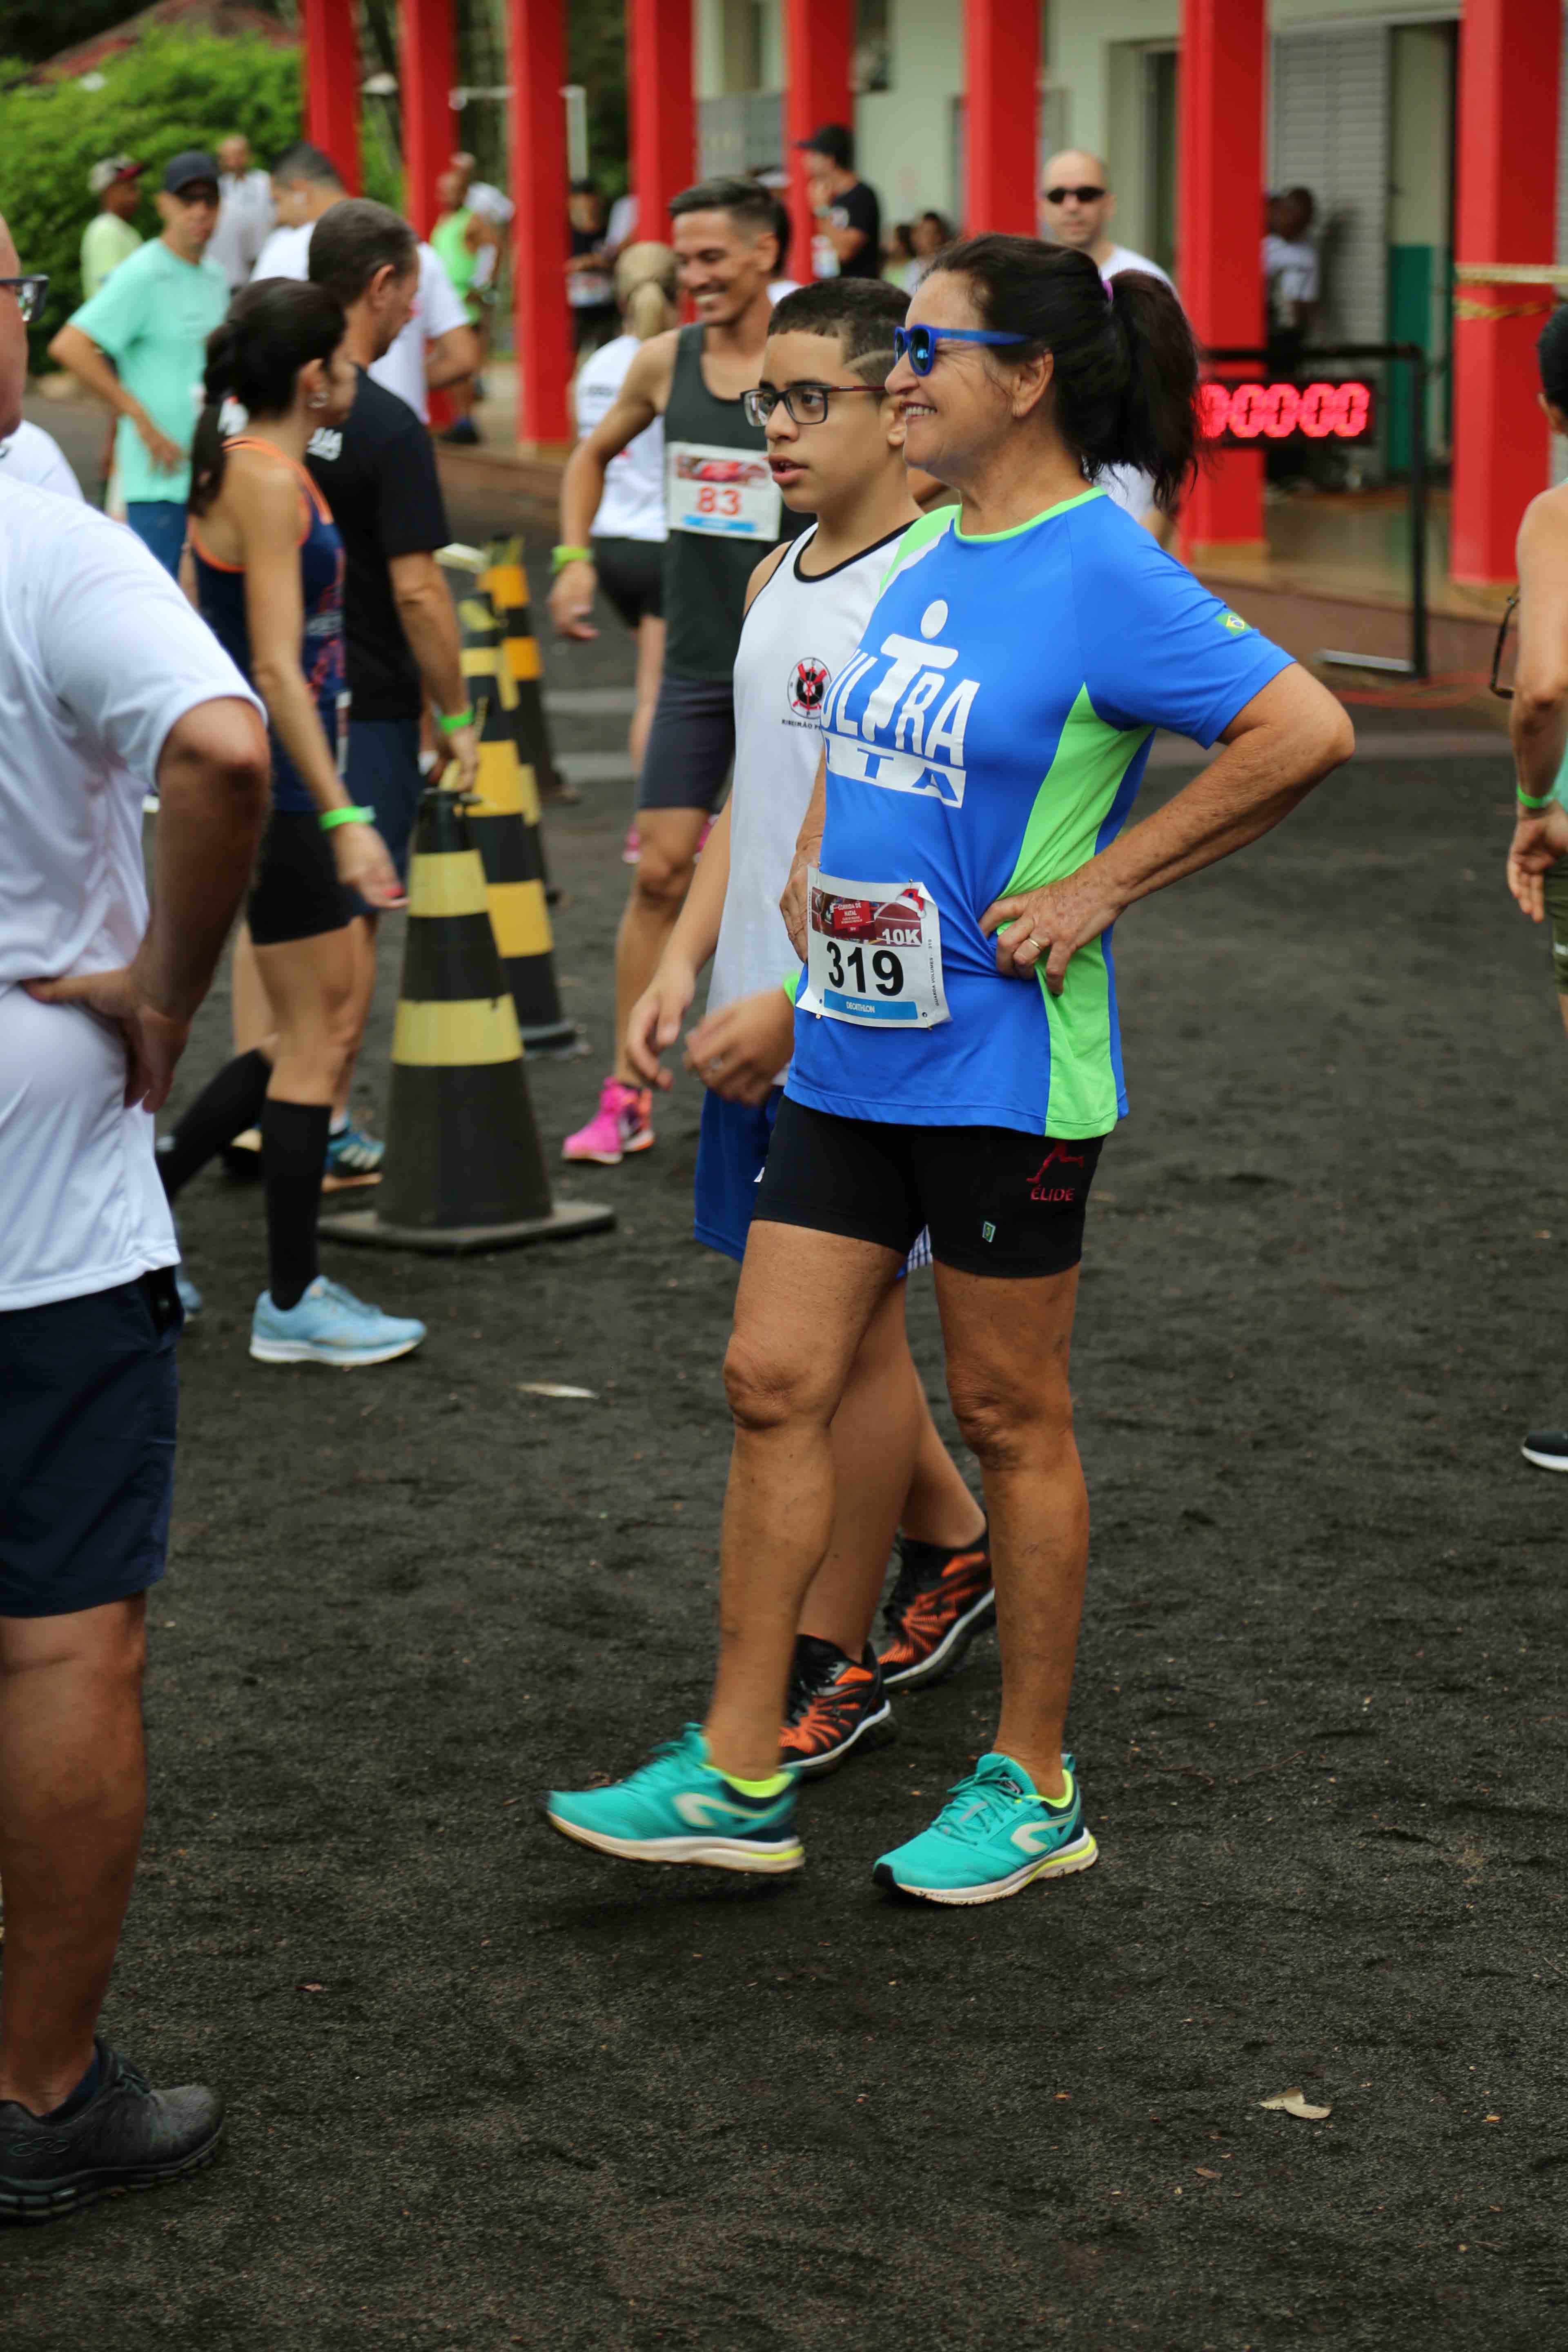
(329, 1326)
(679, 1807)
(353, 1157)
(994, 1833)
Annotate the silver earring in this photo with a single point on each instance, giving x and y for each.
(317, 399)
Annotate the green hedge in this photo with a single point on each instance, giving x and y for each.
(171, 90)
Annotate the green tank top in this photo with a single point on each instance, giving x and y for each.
(447, 237)
(723, 511)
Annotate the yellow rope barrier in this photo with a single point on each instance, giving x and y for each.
(1464, 309)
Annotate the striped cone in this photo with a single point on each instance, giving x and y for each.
(463, 1170)
(506, 583)
(503, 824)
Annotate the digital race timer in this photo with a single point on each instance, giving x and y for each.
(1238, 414)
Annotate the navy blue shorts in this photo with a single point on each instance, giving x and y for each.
(732, 1152)
(383, 773)
(88, 1394)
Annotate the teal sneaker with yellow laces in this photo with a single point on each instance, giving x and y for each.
(678, 1807)
(995, 1835)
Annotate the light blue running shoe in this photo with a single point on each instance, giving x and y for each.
(328, 1326)
(994, 1833)
(679, 1807)
(353, 1157)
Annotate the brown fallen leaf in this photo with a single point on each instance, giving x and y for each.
(1294, 2103)
(302, 1986)
(554, 1389)
(1204, 2173)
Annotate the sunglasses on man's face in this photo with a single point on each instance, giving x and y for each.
(919, 345)
(1084, 195)
(29, 293)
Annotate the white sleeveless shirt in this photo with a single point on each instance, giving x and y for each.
(633, 503)
(797, 636)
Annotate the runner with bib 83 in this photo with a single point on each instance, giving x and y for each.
(983, 747)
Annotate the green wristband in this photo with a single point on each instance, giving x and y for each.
(1525, 801)
(559, 557)
(330, 818)
(448, 721)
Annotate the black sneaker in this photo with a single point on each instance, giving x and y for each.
(943, 1598)
(127, 2136)
(833, 1703)
(1547, 1448)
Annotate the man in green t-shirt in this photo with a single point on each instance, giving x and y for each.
(109, 238)
(152, 320)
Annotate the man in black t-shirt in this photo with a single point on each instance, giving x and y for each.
(377, 473)
(849, 214)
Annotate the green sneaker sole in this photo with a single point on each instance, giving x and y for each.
(1081, 1854)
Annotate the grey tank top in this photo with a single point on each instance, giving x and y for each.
(723, 513)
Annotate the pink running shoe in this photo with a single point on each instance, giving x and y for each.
(633, 849)
(623, 1123)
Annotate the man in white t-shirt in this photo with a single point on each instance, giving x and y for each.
(437, 346)
(1077, 205)
(1291, 274)
(244, 215)
(31, 454)
(111, 686)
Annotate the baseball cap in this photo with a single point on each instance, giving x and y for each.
(188, 169)
(113, 167)
(832, 141)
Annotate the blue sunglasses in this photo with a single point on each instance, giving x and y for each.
(919, 345)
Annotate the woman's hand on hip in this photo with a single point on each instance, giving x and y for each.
(1044, 929)
(792, 905)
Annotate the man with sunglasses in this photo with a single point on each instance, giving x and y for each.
(152, 319)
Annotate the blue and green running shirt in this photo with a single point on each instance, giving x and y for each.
(989, 736)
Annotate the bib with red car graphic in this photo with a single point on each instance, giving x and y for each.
(874, 953)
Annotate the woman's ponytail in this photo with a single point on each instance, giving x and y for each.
(208, 457)
(644, 289)
(1124, 378)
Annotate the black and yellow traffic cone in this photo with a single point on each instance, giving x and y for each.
(503, 824)
(463, 1170)
(506, 583)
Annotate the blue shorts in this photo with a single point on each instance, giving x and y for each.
(383, 773)
(88, 1400)
(160, 525)
(732, 1152)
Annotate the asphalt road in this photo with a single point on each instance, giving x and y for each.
(487, 2090)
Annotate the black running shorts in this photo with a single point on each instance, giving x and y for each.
(690, 745)
(295, 894)
(997, 1202)
(631, 573)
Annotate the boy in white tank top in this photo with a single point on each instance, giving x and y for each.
(835, 449)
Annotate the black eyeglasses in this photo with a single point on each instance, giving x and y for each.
(919, 345)
(29, 293)
(1084, 195)
(805, 403)
(1503, 693)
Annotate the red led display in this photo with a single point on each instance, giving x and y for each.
(1241, 415)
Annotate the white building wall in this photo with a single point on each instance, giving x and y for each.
(904, 136)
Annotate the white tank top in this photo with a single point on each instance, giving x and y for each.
(797, 636)
(633, 503)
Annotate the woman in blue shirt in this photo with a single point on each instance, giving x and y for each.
(958, 1062)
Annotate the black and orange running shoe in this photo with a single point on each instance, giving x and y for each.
(940, 1602)
(834, 1703)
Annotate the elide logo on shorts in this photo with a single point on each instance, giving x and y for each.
(1058, 1156)
(886, 740)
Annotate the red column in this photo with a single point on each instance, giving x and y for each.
(819, 49)
(663, 116)
(1002, 47)
(1219, 248)
(1505, 212)
(426, 70)
(536, 36)
(332, 84)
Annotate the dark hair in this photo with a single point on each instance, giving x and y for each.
(751, 207)
(1552, 354)
(353, 240)
(1125, 382)
(944, 224)
(273, 328)
(783, 229)
(303, 162)
(861, 311)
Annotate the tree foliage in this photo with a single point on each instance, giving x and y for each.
(173, 90)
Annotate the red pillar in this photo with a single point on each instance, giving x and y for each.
(663, 116)
(1505, 212)
(425, 71)
(1002, 62)
(332, 84)
(1220, 246)
(536, 36)
(819, 49)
